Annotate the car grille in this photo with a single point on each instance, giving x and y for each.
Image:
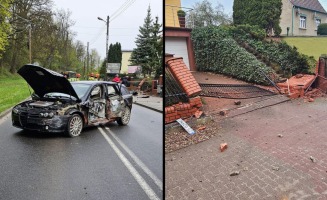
(28, 119)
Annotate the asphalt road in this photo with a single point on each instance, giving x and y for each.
(106, 162)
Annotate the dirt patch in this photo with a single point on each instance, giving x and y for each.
(177, 138)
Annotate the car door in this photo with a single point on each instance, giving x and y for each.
(114, 102)
(128, 97)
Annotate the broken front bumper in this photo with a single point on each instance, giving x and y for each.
(29, 122)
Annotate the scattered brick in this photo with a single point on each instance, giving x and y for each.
(201, 128)
(223, 146)
(198, 114)
(311, 100)
(280, 135)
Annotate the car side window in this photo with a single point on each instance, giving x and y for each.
(111, 90)
(96, 92)
(124, 91)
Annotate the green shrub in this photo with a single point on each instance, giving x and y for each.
(216, 51)
(322, 29)
(181, 13)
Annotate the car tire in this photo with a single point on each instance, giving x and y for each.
(126, 115)
(74, 126)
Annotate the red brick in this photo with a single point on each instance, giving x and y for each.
(223, 146)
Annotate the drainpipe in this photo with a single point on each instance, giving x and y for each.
(292, 19)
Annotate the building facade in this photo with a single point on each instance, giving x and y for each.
(126, 55)
(171, 8)
(178, 39)
(301, 18)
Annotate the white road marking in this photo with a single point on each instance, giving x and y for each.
(147, 189)
(146, 170)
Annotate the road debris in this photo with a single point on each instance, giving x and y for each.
(311, 100)
(245, 169)
(223, 112)
(312, 159)
(235, 173)
(201, 128)
(237, 102)
(198, 114)
(280, 135)
(223, 146)
(186, 126)
(275, 168)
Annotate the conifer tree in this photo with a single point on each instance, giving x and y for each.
(264, 13)
(148, 51)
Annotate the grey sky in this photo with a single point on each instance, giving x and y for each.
(228, 4)
(124, 28)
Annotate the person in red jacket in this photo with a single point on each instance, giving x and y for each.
(116, 79)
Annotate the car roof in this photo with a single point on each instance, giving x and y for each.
(93, 82)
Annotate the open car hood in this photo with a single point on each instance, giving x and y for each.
(44, 81)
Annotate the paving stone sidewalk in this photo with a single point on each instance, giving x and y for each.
(151, 102)
(270, 147)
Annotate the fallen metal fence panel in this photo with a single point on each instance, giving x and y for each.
(231, 91)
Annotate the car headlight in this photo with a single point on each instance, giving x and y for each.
(41, 114)
(51, 114)
(15, 110)
(45, 114)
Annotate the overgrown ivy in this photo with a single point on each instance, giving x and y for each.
(223, 50)
(216, 51)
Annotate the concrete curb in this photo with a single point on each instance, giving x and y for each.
(154, 109)
(4, 113)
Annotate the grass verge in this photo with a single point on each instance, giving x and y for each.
(311, 46)
(13, 90)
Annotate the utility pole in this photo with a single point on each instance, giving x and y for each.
(87, 59)
(30, 41)
(107, 39)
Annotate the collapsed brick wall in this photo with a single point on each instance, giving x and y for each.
(187, 81)
(182, 110)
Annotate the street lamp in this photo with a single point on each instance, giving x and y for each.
(107, 22)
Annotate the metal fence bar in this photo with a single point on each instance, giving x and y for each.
(233, 91)
(173, 92)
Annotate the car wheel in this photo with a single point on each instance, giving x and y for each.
(126, 115)
(75, 125)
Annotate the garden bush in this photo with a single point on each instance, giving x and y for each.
(216, 51)
(322, 29)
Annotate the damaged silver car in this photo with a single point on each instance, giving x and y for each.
(58, 105)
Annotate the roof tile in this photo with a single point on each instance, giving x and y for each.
(309, 4)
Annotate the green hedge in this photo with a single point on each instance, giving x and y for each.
(290, 61)
(322, 29)
(216, 51)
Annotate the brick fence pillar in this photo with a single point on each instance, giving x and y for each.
(322, 79)
(184, 76)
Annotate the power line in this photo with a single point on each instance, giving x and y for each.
(98, 35)
(124, 4)
(123, 9)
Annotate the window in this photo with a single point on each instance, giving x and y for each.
(111, 90)
(318, 21)
(303, 23)
(96, 92)
(124, 91)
